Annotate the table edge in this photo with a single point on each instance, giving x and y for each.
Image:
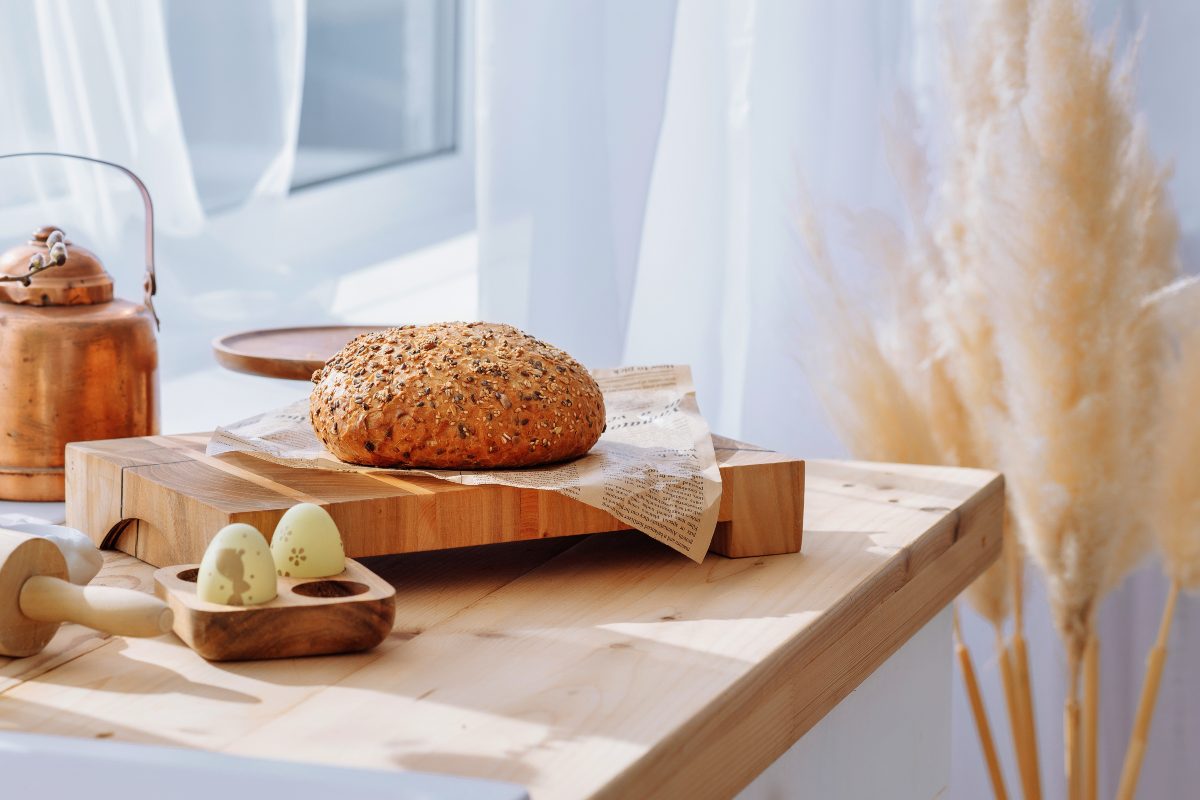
(769, 708)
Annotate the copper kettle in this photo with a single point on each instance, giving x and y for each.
(75, 364)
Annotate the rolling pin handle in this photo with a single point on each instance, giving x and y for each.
(123, 612)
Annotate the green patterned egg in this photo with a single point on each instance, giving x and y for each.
(237, 568)
(307, 544)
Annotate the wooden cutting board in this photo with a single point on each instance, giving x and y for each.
(161, 499)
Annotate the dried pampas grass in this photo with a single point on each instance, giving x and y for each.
(1176, 503)
(1021, 335)
(864, 392)
(1071, 219)
(1059, 219)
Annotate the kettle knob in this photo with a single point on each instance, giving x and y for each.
(150, 284)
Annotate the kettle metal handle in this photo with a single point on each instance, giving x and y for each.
(150, 284)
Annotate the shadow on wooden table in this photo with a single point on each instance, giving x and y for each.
(18, 716)
(152, 678)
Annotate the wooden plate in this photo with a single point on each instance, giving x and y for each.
(345, 613)
(293, 353)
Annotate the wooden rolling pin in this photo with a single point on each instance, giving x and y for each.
(35, 598)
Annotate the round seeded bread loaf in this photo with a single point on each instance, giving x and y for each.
(455, 395)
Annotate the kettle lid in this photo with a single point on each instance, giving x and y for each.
(80, 280)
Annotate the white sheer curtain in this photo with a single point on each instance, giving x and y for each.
(637, 177)
(81, 77)
(105, 78)
(569, 105)
(202, 101)
(162, 88)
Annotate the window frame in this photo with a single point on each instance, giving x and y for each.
(380, 213)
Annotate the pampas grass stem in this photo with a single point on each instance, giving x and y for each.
(1011, 704)
(1149, 696)
(1091, 717)
(979, 713)
(1031, 778)
(1072, 746)
(1025, 732)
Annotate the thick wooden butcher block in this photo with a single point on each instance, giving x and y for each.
(161, 499)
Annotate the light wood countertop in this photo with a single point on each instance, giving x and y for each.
(598, 666)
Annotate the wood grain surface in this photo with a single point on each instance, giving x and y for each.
(592, 666)
(161, 499)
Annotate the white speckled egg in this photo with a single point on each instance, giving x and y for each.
(307, 544)
(237, 568)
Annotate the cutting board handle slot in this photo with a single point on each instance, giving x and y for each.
(109, 542)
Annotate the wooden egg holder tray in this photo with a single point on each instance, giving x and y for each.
(351, 611)
(161, 499)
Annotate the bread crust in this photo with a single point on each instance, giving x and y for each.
(455, 395)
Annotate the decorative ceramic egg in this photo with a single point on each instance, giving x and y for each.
(307, 544)
(237, 569)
